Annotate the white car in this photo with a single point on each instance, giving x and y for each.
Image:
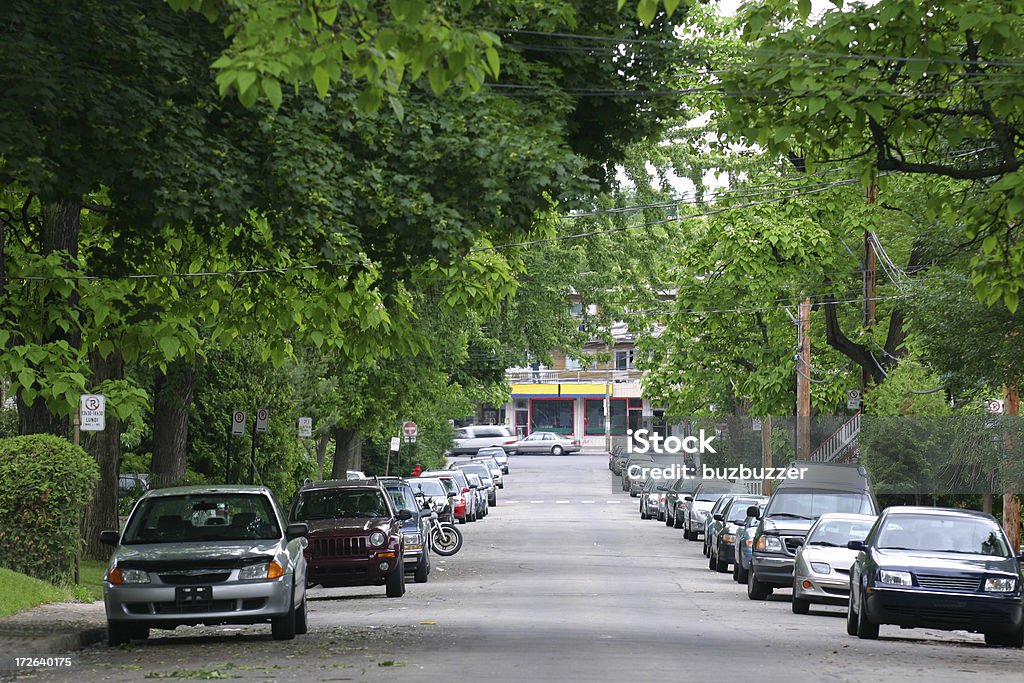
(547, 442)
(821, 571)
(469, 440)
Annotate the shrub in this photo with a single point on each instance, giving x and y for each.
(45, 483)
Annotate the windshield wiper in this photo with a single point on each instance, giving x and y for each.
(825, 543)
(789, 514)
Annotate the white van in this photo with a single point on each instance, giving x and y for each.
(468, 440)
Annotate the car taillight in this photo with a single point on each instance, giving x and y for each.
(465, 490)
(509, 442)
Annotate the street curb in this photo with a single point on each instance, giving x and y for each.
(61, 644)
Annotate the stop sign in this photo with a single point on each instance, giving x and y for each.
(409, 429)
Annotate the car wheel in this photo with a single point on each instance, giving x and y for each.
(757, 590)
(721, 566)
(712, 565)
(118, 634)
(422, 572)
(501, 486)
(283, 627)
(801, 606)
(301, 618)
(851, 618)
(395, 586)
(462, 520)
(736, 572)
(1015, 639)
(676, 522)
(557, 450)
(743, 575)
(866, 629)
(668, 520)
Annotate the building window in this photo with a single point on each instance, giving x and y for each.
(572, 364)
(593, 411)
(552, 415)
(624, 359)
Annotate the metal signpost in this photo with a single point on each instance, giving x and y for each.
(410, 431)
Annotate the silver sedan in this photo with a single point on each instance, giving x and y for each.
(205, 555)
(821, 572)
(547, 442)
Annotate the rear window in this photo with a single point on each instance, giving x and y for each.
(488, 432)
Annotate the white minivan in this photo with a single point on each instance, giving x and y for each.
(468, 440)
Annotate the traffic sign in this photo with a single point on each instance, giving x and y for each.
(92, 411)
(238, 422)
(992, 406)
(853, 399)
(755, 424)
(410, 429)
(305, 426)
(262, 420)
(395, 443)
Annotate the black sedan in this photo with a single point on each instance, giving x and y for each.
(937, 568)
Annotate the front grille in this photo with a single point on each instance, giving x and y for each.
(338, 547)
(967, 617)
(192, 579)
(954, 583)
(792, 543)
(212, 606)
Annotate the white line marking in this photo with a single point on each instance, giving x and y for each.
(562, 502)
(588, 502)
(614, 502)
(536, 502)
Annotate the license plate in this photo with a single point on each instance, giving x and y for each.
(193, 597)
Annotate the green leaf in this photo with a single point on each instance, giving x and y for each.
(988, 245)
(438, 79)
(670, 6)
(397, 107)
(322, 81)
(646, 10)
(803, 7)
(245, 80)
(493, 61)
(1011, 300)
(272, 89)
(169, 346)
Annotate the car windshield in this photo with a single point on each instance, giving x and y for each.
(710, 495)
(944, 534)
(429, 487)
(838, 533)
(811, 503)
(403, 499)
(738, 511)
(203, 517)
(483, 472)
(338, 503)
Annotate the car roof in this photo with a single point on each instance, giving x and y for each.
(829, 475)
(343, 484)
(206, 490)
(937, 512)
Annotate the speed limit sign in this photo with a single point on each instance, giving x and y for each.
(238, 422)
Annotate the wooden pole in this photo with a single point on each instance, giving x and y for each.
(870, 284)
(803, 382)
(1011, 503)
(766, 454)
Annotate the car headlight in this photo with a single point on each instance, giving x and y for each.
(1000, 585)
(264, 571)
(769, 544)
(378, 538)
(895, 578)
(821, 568)
(728, 539)
(119, 577)
(413, 538)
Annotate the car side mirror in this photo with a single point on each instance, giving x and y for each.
(404, 514)
(296, 530)
(718, 516)
(451, 494)
(856, 545)
(687, 497)
(110, 537)
(754, 511)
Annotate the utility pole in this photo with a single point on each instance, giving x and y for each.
(1011, 503)
(766, 454)
(870, 283)
(803, 382)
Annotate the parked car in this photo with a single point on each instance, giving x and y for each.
(441, 498)
(937, 568)
(635, 472)
(821, 570)
(469, 495)
(486, 479)
(722, 546)
(415, 530)
(711, 525)
(245, 566)
(794, 506)
(496, 473)
(617, 459)
(354, 475)
(355, 535)
(675, 500)
(469, 440)
(496, 452)
(480, 489)
(700, 502)
(546, 442)
(652, 492)
(745, 543)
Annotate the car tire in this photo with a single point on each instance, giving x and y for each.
(557, 450)
(743, 575)
(422, 573)
(800, 606)
(283, 627)
(757, 590)
(736, 572)
(866, 628)
(461, 520)
(119, 634)
(712, 565)
(1015, 639)
(721, 566)
(395, 582)
(501, 486)
(302, 618)
(668, 520)
(677, 523)
(851, 618)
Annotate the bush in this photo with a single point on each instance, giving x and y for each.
(45, 483)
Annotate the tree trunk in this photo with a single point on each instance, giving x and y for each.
(61, 224)
(347, 448)
(987, 499)
(173, 398)
(105, 447)
(321, 453)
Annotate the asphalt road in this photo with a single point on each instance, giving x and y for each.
(561, 582)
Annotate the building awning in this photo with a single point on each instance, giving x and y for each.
(567, 390)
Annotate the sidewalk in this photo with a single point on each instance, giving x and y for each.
(58, 628)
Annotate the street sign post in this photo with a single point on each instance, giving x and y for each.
(262, 420)
(238, 422)
(305, 426)
(853, 399)
(992, 406)
(395, 443)
(93, 411)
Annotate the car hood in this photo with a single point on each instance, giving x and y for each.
(352, 525)
(836, 557)
(192, 552)
(951, 563)
(787, 526)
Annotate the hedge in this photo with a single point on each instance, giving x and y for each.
(45, 483)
